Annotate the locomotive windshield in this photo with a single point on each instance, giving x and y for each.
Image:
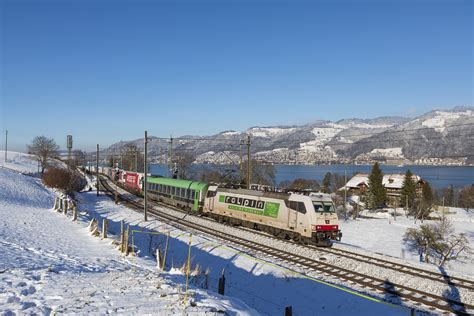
(321, 207)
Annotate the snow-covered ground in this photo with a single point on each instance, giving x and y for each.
(381, 233)
(19, 161)
(52, 264)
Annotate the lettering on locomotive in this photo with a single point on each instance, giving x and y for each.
(264, 208)
(244, 202)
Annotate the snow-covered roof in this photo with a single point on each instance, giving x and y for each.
(391, 181)
(358, 179)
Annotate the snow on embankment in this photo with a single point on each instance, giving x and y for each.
(51, 265)
(16, 189)
(20, 162)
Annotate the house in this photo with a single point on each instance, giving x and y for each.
(359, 184)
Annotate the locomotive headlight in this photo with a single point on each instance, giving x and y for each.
(334, 227)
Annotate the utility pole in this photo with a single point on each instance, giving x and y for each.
(249, 164)
(406, 206)
(241, 142)
(345, 191)
(145, 169)
(170, 168)
(97, 170)
(443, 208)
(6, 144)
(136, 160)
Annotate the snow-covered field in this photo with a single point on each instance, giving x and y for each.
(19, 161)
(51, 264)
(380, 233)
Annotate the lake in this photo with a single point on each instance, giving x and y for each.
(437, 176)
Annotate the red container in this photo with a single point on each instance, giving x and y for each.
(131, 180)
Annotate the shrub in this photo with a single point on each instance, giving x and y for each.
(67, 180)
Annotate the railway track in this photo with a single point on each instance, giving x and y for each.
(386, 264)
(426, 274)
(398, 291)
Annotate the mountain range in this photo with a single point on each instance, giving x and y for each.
(436, 137)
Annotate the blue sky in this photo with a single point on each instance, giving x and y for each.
(105, 71)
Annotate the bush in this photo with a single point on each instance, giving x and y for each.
(68, 180)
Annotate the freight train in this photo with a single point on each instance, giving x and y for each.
(303, 218)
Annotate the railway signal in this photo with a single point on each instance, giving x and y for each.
(69, 147)
(249, 163)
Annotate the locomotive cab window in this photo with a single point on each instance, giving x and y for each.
(321, 207)
(301, 208)
(297, 206)
(211, 193)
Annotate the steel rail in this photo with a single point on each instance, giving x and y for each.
(373, 283)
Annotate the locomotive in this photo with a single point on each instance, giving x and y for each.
(303, 218)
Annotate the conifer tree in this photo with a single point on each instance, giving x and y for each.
(448, 195)
(428, 194)
(408, 193)
(427, 200)
(327, 183)
(376, 188)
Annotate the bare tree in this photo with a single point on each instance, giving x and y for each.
(438, 243)
(210, 176)
(301, 184)
(466, 198)
(78, 158)
(44, 149)
(420, 240)
(262, 173)
(183, 161)
(224, 176)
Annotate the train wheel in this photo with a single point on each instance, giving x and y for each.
(297, 237)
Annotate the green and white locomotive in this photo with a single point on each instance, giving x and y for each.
(294, 216)
(306, 218)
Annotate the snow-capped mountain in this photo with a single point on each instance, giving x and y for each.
(434, 135)
(437, 137)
